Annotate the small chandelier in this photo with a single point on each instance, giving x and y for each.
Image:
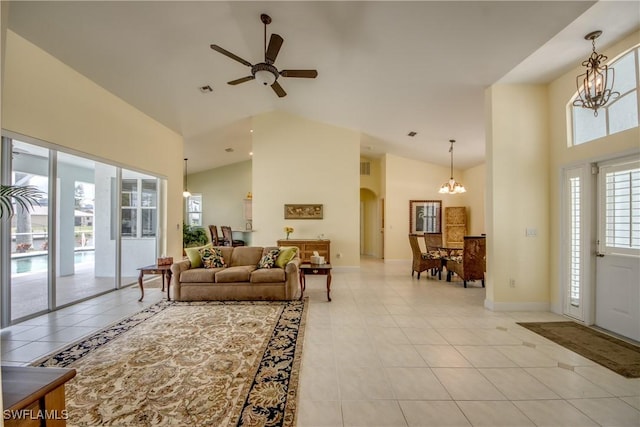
(595, 85)
(186, 192)
(451, 186)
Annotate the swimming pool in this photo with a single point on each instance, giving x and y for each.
(40, 263)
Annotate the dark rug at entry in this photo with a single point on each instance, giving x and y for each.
(613, 353)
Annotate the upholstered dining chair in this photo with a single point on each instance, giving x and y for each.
(472, 264)
(422, 261)
(433, 245)
(227, 235)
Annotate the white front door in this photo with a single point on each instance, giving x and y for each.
(618, 248)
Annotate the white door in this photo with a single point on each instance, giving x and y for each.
(618, 257)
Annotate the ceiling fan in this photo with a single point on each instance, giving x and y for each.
(265, 72)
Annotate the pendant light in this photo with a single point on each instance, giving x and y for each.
(595, 85)
(451, 186)
(186, 192)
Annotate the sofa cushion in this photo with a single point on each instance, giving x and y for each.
(199, 275)
(268, 260)
(240, 273)
(194, 255)
(286, 254)
(268, 275)
(212, 258)
(245, 255)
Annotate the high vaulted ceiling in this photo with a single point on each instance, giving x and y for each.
(384, 68)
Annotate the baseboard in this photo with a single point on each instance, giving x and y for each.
(516, 306)
(397, 261)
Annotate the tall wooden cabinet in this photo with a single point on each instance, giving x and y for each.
(308, 246)
(455, 226)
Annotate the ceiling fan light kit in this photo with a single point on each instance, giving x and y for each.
(265, 73)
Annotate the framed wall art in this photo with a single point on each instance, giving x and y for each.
(425, 216)
(303, 212)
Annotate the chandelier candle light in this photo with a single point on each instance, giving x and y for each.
(451, 186)
(595, 85)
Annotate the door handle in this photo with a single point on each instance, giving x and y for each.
(599, 255)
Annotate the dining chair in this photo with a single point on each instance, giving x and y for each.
(472, 264)
(227, 235)
(215, 238)
(422, 261)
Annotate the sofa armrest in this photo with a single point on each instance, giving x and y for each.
(292, 277)
(176, 270)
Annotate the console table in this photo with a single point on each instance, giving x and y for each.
(34, 396)
(308, 246)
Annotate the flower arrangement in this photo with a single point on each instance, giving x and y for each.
(288, 230)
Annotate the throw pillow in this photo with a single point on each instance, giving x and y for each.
(286, 254)
(194, 255)
(212, 258)
(269, 259)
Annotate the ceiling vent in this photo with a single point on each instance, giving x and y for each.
(365, 168)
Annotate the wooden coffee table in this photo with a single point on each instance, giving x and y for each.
(315, 269)
(164, 270)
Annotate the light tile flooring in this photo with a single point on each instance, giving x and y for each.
(391, 350)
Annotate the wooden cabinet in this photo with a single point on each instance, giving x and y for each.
(34, 396)
(307, 246)
(455, 226)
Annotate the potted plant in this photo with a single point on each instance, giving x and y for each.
(193, 236)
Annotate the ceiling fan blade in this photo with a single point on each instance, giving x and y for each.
(309, 74)
(275, 43)
(278, 89)
(230, 55)
(241, 80)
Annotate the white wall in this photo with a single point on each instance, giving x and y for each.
(223, 192)
(45, 99)
(301, 161)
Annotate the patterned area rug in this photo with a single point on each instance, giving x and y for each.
(198, 363)
(610, 352)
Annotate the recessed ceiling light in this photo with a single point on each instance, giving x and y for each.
(412, 134)
(229, 150)
(206, 89)
(251, 130)
(251, 153)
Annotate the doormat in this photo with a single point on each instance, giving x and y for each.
(613, 353)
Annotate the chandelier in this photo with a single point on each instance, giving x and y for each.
(595, 85)
(451, 186)
(186, 192)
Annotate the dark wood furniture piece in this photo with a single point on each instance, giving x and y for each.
(34, 396)
(164, 270)
(308, 246)
(315, 269)
(423, 261)
(227, 236)
(473, 263)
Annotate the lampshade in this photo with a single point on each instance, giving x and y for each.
(451, 186)
(265, 77)
(595, 85)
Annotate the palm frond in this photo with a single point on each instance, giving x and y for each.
(25, 196)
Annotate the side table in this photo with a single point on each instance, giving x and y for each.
(164, 270)
(315, 269)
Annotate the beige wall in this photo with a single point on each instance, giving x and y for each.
(474, 180)
(405, 180)
(371, 209)
(44, 99)
(223, 192)
(518, 192)
(301, 161)
(561, 91)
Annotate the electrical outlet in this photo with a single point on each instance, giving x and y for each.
(512, 283)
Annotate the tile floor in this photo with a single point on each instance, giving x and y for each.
(391, 350)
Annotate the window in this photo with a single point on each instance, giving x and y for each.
(139, 207)
(621, 209)
(619, 114)
(194, 210)
(575, 270)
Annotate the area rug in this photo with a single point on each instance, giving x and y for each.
(189, 364)
(610, 352)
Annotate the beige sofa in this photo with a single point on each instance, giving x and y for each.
(240, 280)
